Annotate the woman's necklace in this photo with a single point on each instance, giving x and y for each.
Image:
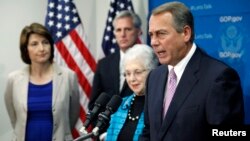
(129, 111)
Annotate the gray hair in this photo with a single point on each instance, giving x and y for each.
(144, 54)
(182, 16)
(126, 13)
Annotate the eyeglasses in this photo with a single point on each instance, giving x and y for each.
(136, 73)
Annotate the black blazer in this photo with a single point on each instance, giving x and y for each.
(107, 79)
(209, 93)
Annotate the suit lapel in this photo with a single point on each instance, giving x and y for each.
(23, 84)
(184, 88)
(160, 88)
(57, 81)
(116, 66)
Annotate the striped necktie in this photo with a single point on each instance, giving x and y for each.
(171, 86)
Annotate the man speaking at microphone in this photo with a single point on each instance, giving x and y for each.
(190, 91)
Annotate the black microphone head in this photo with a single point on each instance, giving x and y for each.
(100, 102)
(104, 117)
(103, 99)
(114, 103)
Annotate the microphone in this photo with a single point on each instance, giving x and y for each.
(81, 138)
(104, 117)
(100, 102)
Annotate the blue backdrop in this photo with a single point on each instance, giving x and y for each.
(222, 28)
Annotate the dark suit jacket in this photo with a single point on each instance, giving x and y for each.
(209, 93)
(107, 79)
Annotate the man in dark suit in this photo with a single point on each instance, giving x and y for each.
(108, 76)
(206, 92)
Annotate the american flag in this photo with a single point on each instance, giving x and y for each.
(72, 49)
(109, 43)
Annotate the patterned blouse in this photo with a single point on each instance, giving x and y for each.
(118, 119)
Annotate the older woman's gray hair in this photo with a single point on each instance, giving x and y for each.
(142, 53)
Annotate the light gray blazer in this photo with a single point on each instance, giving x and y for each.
(65, 102)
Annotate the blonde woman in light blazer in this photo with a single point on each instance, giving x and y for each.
(41, 87)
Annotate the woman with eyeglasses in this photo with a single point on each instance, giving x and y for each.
(127, 123)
